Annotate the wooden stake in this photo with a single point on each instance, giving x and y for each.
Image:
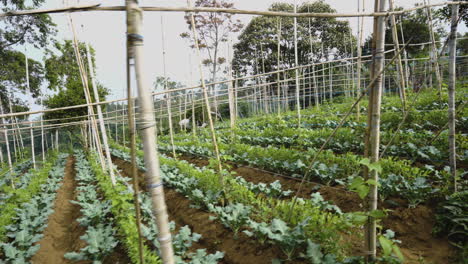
(374, 127)
(42, 130)
(232, 114)
(33, 155)
(7, 142)
(296, 63)
(148, 131)
(100, 117)
(132, 141)
(205, 95)
(168, 95)
(451, 96)
(400, 76)
(278, 66)
(435, 59)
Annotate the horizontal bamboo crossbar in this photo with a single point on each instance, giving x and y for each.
(98, 7)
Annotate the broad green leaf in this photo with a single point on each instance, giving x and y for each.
(387, 245)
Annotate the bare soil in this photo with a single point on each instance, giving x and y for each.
(413, 226)
(63, 231)
(215, 237)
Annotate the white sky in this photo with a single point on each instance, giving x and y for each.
(106, 33)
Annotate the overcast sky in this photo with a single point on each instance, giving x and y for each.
(106, 33)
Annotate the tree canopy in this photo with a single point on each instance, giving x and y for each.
(415, 30)
(259, 39)
(63, 75)
(36, 30)
(213, 29)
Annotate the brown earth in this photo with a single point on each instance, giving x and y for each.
(215, 237)
(63, 231)
(413, 226)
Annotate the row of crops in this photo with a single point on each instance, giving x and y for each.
(413, 170)
(263, 217)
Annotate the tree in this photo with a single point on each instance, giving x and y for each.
(259, 39)
(445, 13)
(36, 30)
(462, 45)
(415, 30)
(13, 79)
(63, 75)
(213, 29)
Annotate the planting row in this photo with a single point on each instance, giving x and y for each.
(24, 220)
(398, 177)
(26, 186)
(116, 208)
(312, 231)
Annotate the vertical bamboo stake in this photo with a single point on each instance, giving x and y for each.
(296, 64)
(236, 86)
(132, 139)
(84, 80)
(278, 66)
(400, 76)
(374, 126)
(1, 156)
(7, 141)
(168, 95)
(42, 129)
(435, 59)
(352, 64)
(330, 80)
(194, 123)
(405, 57)
(52, 140)
(33, 155)
(205, 95)
(100, 117)
(359, 60)
(232, 113)
(148, 129)
(56, 139)
(451, 95)
(19, 146)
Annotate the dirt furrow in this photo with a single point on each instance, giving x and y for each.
(63, 231)
(413, 226)
(215, 237)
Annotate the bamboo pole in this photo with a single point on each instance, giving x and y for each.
(232, 114)
(148, 130)
(57, 139)
(1, 156)
(33, 155)
(97, 7)
(265, 96)
(296, 63)
(278, 65)
(451, 96)
(7, 142)
(330, 83)
(435, 59)
(205, 95)
(100, 117)
(42, 129)
(194, 122)
(374, 127)
(168, 95)
(132, 141)
(84, 80)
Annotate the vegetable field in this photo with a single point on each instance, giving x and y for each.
(305, 134)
